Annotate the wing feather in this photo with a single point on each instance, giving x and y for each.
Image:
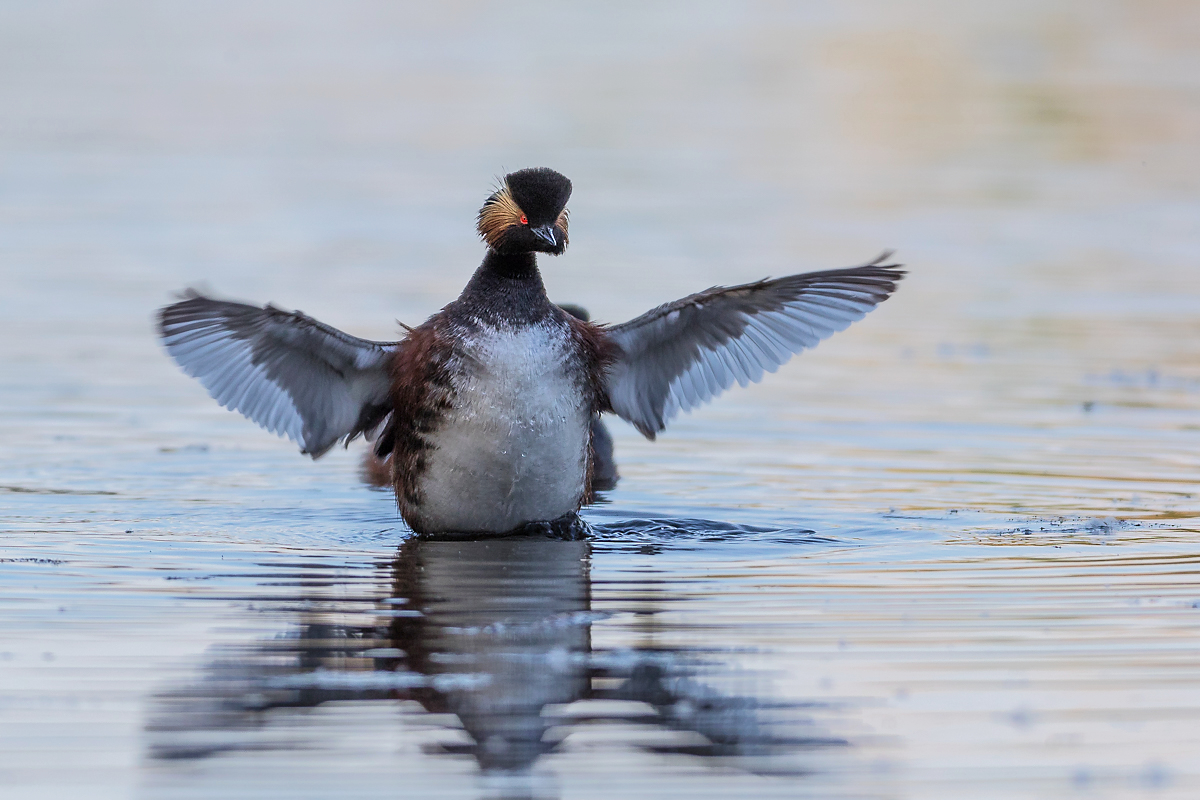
(683, 354)
(287, 372)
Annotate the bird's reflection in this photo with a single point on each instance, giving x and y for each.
(497, 633)
(515, 613)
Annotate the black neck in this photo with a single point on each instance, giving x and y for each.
(505, 289)
(516, 266)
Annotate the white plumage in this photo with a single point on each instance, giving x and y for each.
(513, 449)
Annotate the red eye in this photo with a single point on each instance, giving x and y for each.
(524, 220)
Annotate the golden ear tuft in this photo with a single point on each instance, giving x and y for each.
(498, 214)
(563, 219)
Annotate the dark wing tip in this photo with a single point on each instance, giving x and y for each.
(317, 452)
(895, 271)
(184, 302)
(166, 315)
(880, 274)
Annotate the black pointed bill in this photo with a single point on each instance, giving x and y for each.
(546, 234)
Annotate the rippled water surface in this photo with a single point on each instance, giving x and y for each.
(954, 552)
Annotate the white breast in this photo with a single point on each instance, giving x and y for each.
(514, 447)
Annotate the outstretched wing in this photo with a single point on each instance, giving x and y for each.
(683, 354)
(286, 371)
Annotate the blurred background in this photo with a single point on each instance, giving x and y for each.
(1035, 164)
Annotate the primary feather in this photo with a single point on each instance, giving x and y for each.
(682, 354)
(289, 373)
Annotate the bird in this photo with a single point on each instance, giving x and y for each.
(485, 411)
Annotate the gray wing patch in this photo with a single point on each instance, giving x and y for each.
(287, 372)
(682, 354)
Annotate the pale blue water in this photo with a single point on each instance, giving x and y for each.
(953, 552)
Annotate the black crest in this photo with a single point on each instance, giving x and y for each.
(541, 193)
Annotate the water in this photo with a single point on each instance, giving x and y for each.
(952, 552)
